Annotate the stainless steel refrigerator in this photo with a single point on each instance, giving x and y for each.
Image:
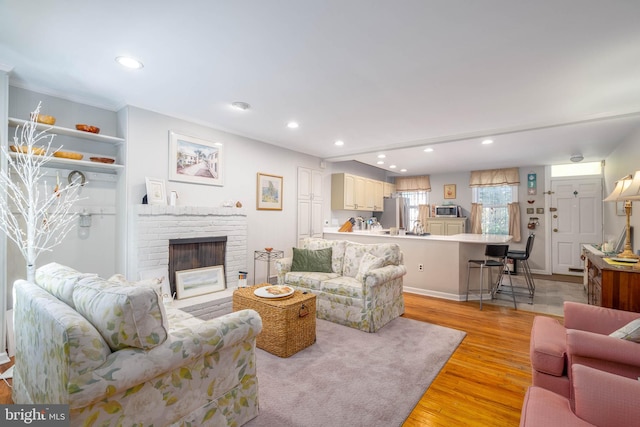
(395, 214)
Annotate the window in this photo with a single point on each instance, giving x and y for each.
(495, 207)
(414, 199)
(576, 169)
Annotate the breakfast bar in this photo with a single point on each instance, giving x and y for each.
(436, 265)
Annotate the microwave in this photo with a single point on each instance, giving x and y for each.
(450, 211)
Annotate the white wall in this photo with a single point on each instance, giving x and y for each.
(147, 155)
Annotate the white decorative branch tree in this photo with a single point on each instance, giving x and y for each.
(34, 215)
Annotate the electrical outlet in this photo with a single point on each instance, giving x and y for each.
(420, 267)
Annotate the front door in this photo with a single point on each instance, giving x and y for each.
(576, 219)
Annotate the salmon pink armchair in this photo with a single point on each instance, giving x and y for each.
(583, 339)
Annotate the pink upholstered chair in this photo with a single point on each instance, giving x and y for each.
(602, 399)
(583, 339)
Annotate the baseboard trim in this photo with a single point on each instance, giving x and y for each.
(445, 295)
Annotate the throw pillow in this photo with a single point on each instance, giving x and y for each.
(313, 261)
(125, 316)
(367, 263)
(629, 332)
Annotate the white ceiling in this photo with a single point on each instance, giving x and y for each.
(545, 79)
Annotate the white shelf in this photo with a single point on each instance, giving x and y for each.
(79, 164)
(70, 132)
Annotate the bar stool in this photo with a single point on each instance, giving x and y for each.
(523, 257)
(495, 257)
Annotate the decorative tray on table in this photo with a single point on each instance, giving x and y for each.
(274, 291)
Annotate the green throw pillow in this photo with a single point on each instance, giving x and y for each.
(312, 260)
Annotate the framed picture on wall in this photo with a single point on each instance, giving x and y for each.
(269, 192)
(195, 160)
(449, 191)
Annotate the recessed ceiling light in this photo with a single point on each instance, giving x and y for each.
(129, 62)
(339, 143)
(403, 170)
(380, 162)
(239, 105)
(293, 125)
(428, 150)
(381, 156)
(392, 166)
(487, 141)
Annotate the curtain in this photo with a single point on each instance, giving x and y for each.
(493, 177)
(424, 212)
(476, 218)
(514, 221)
(413, 183)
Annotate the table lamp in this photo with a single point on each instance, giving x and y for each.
(624, 192)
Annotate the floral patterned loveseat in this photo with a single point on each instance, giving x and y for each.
(117, 356)
(363, 289)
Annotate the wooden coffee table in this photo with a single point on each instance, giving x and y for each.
(288, 324)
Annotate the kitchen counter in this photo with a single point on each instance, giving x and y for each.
(493, 239)
(436, 265)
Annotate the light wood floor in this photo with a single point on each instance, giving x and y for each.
(484, 382)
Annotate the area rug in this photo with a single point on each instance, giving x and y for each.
(353, 378)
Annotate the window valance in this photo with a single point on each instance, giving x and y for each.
(493, 177)
(413, 183)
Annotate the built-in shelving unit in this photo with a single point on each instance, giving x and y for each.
(77, 164)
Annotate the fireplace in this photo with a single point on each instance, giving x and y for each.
(153, 227)
(197, 252)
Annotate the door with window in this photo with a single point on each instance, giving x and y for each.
(576, 219)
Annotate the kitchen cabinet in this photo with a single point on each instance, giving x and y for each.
(612, 286)
(352, 192)
(310, 198)
(446, 226)
(388, 189)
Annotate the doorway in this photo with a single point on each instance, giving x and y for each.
(576, 219)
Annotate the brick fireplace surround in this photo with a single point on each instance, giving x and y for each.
(152, 228)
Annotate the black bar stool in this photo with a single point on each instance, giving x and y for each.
(495, 257)
(523, 257)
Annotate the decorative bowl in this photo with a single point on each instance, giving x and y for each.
(88, 128)
(102, 159)
(268, 249)
(47, 120)
(24, 149)
(68, 155)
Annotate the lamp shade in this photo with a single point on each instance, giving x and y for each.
(621, 186)
(632, 191)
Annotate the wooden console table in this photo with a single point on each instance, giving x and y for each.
(612, 286)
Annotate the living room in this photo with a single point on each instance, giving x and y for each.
(112, 199)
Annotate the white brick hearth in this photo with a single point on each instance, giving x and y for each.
(152, 228)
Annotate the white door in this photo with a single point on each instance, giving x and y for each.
(309, 203)
(576, 219)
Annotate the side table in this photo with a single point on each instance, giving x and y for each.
(267, 256)
(288, 325)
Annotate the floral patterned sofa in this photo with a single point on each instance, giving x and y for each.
(363, 289)
(117, 356)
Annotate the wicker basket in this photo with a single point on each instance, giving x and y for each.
(288, 325)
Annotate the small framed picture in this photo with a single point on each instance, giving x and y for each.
(449, 191)
(199, 281)
(529, 211)
(539, 210)
(269, 192)
(156, 191)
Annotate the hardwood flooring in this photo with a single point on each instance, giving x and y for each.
(484, 382)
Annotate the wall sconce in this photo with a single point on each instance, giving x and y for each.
(84, 220)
